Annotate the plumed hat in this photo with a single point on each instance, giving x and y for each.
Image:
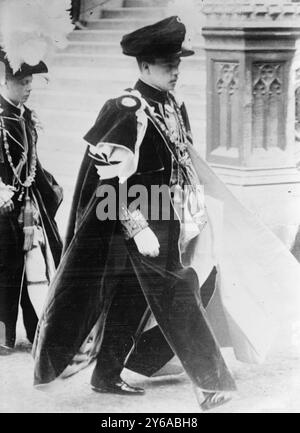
(162, 39)
(24, 70)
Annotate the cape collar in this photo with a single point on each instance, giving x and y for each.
(150, 92)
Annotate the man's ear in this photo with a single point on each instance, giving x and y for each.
(145, 67)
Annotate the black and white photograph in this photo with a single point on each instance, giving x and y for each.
(149, 209)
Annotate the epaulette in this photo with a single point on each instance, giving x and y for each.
(128, 102)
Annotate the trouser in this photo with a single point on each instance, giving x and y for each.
(172, 292)
(11, 295)
(152, 351)
(152, 344)
(124, 316)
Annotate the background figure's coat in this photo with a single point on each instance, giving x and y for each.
(48, 196)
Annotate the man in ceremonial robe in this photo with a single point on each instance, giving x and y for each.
(30, 245)
(113, 269)
(121, 258)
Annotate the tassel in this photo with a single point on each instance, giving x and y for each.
(28, 227)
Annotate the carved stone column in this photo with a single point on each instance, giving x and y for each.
(250, 51)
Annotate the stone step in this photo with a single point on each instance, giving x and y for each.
(80, 78)
(62, 141)
(74, 75)
(73, 101)
(67, 83)
(69, 101)
(79, 122)
(91, 9)
(112, 61)
(127, 25)
(110, 88)
(110, 36)
(96, 36)
(61, 121)
(93, 48)
(155, 13)
(115, 61)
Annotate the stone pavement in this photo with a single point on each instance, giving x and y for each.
(268, 388)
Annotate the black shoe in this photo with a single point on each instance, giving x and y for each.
(118, 387)
(5, 350)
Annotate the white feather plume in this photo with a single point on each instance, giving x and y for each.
(32, 29)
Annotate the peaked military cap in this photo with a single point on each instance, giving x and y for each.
(162, 39)
(25, 69)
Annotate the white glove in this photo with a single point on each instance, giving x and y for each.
(147, 243)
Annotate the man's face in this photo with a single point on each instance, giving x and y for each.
(163, 73)
(18, 90)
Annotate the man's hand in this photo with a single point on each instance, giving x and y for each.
(147, 243)
(7, 207)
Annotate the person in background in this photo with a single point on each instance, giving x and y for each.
(30, 245)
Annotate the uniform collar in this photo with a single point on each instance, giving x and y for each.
(7, 105)
(151, 92)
